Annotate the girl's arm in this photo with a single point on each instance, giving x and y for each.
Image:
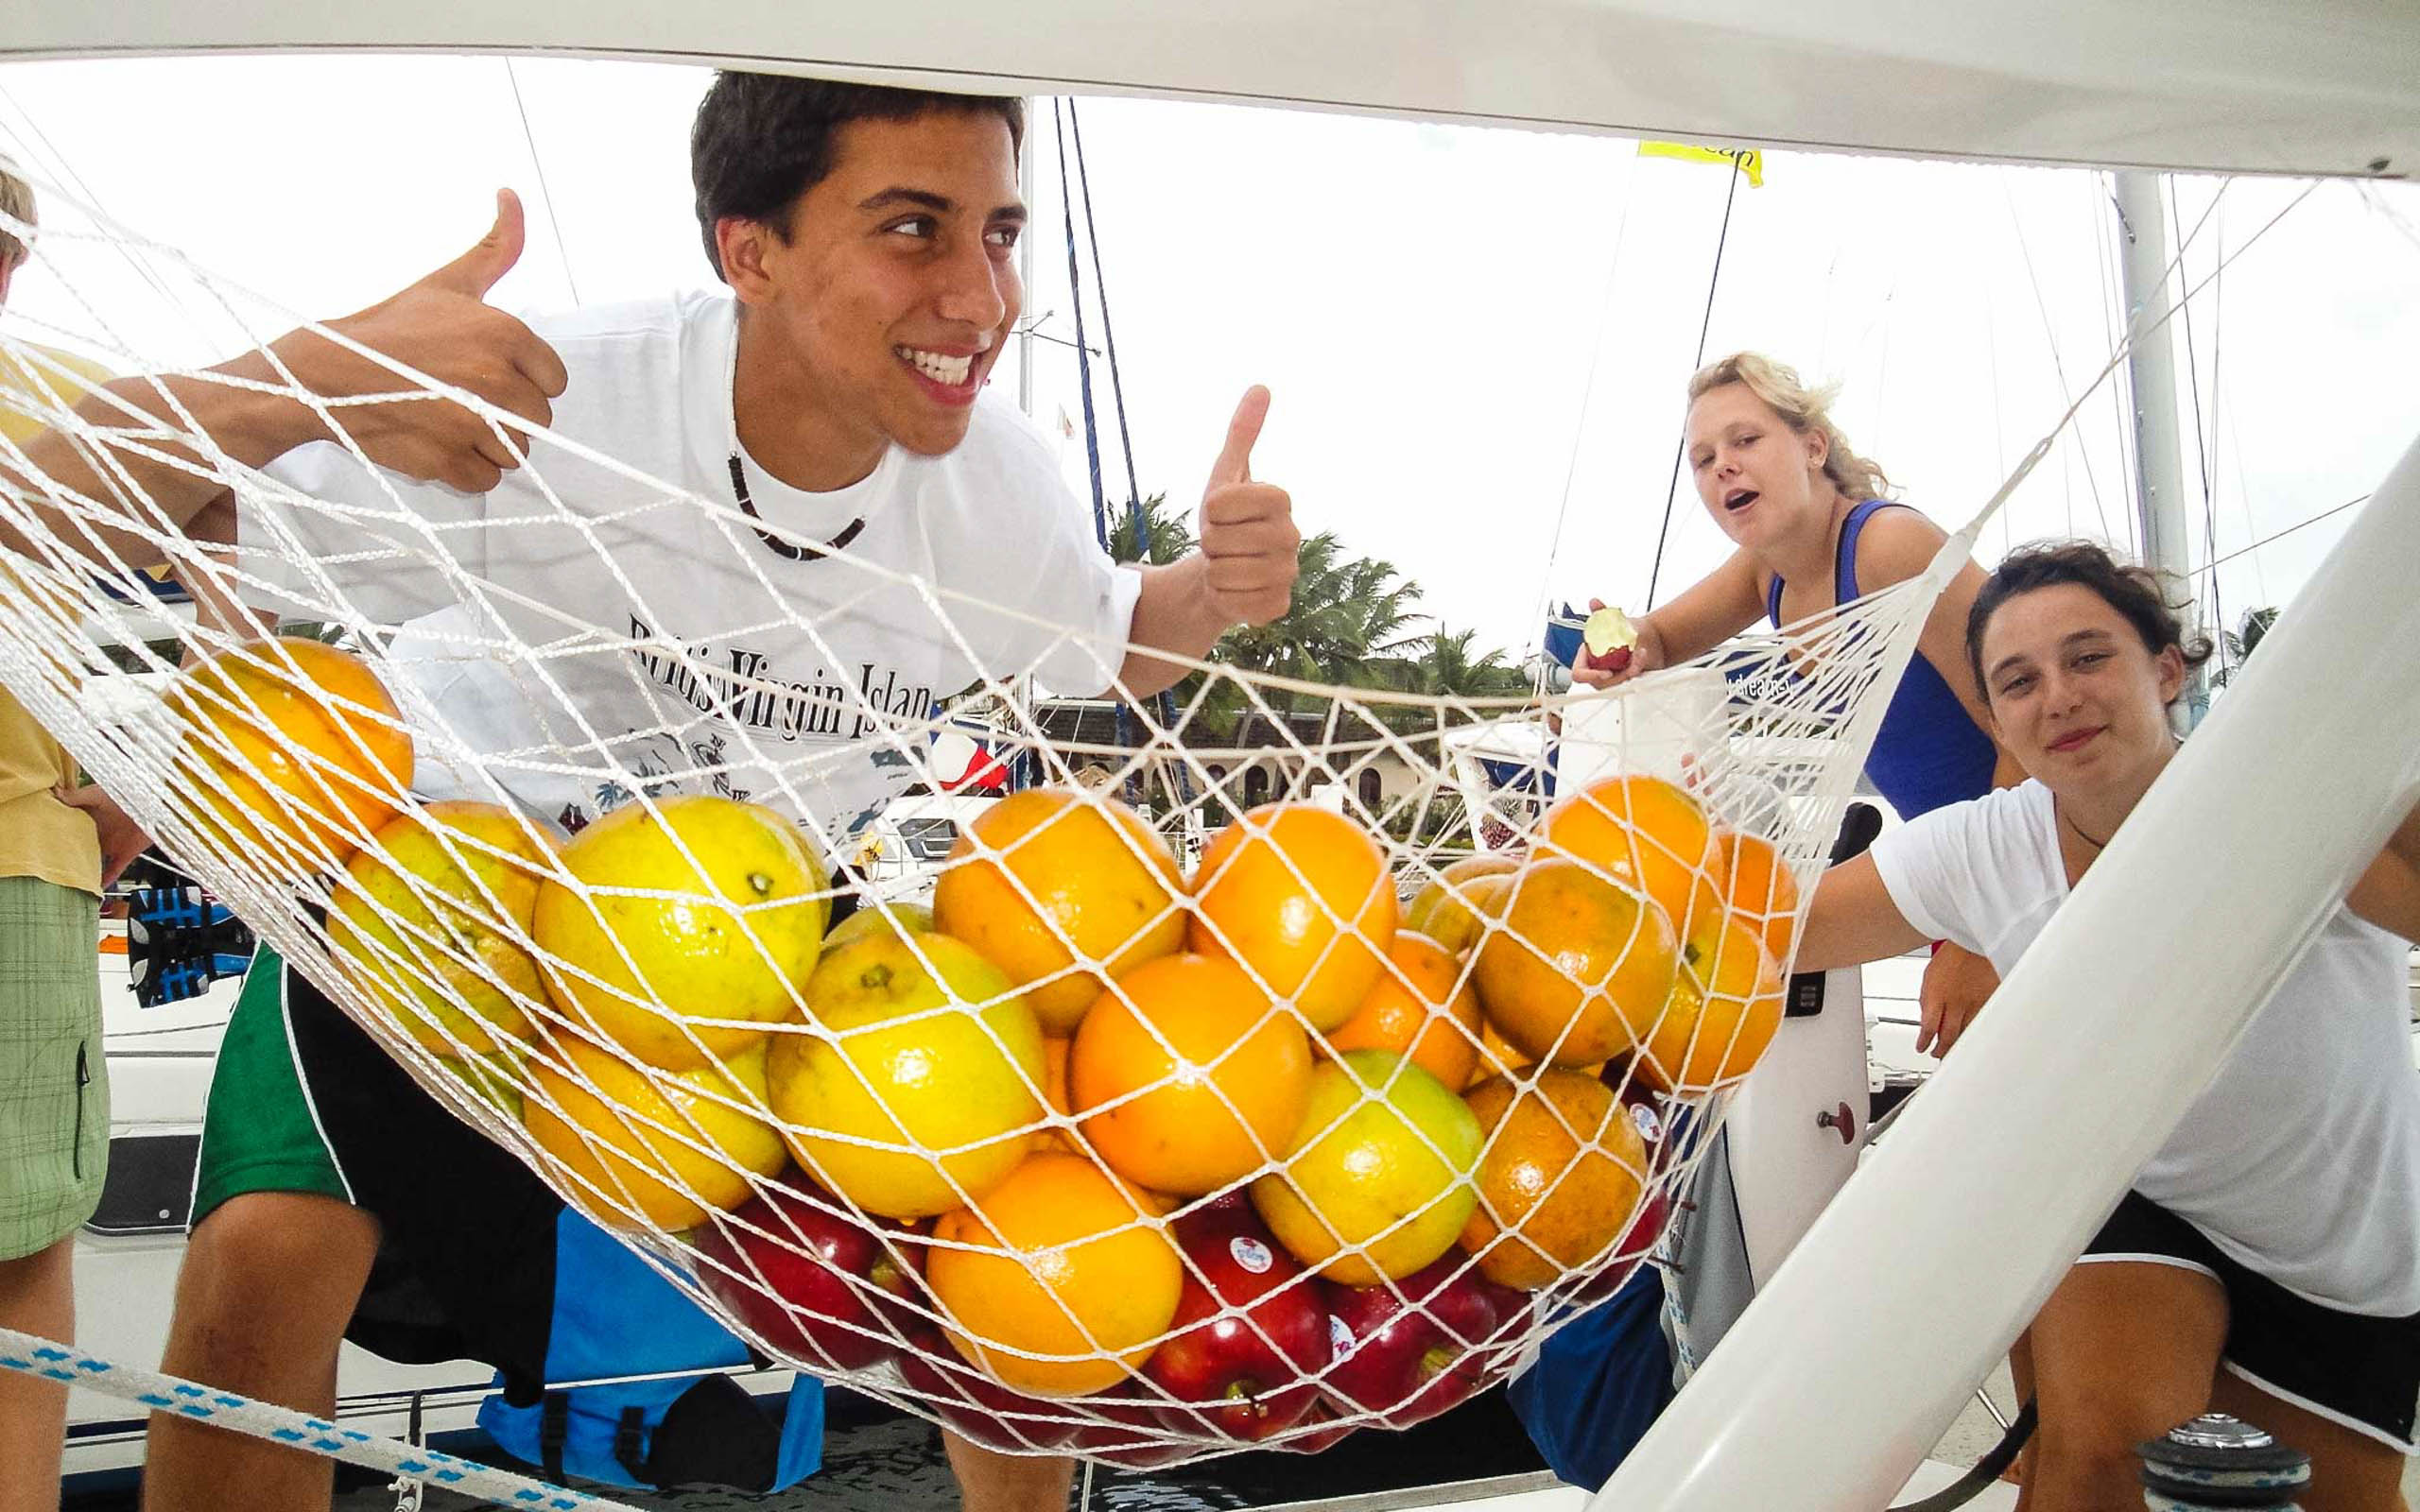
(1852, 921)
(2388, 894)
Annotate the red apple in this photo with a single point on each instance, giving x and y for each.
(821, 1288)
(1316, 1439)
(979, 1408)
(1132, 1432)
(1249, 1366)
(1408, 1364)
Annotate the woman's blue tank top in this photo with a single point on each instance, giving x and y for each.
(1928, 751)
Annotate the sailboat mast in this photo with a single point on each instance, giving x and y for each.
(2159, 465)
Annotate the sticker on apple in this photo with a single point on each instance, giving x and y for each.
(1250, 1254)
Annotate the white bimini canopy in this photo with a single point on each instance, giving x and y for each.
(2326, 87)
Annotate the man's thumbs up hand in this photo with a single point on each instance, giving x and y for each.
(492, 257)
(1250, 547)
(440, 326)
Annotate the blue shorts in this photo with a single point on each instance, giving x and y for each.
(1598, 1383)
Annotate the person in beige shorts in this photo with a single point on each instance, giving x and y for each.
(58, 840)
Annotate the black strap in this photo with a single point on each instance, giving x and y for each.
(785, 548)
(1987, 1470)
(554, 1426)
(629, 1443)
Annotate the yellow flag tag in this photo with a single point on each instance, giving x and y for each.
(1751, 160)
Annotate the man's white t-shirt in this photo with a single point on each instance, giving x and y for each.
(578, 623)
(2302, 1160)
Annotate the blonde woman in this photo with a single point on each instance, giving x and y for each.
(1815, 526)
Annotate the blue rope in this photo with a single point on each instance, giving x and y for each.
(1083, 354)
(43, 1359)
(1136, 517)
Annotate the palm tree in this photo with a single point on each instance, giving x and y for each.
(1170, 532)
(1446, 667)
(2256, 624)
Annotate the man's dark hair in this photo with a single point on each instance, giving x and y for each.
(2132, 592)
(762, 140)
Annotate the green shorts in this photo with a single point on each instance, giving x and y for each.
(53, 1080)
(304, 1101)
(262, 1131)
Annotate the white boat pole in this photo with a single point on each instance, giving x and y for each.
(1846, 1369)
(2151, 369)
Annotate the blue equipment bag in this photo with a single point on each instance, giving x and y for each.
(615, 1316)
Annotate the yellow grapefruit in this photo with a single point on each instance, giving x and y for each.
(681, 961)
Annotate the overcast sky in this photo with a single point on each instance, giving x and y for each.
(1476, 337)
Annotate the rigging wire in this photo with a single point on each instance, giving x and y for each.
(2217, 562)
(2217, 616)
(1680, 448)
(1164, 704)
(2050, 337)
(2114, 319)
(1579, 428)
(1108, 338)
(1083, 352)
(545, 192)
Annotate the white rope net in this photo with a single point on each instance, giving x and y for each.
(1149, 1121)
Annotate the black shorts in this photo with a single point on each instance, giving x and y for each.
(2361, 1373)
(303, 1099)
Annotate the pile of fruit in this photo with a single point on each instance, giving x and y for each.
(1258, 1154)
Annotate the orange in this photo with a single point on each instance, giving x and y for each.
(641, 1149)
(1378, 1183)
(1424, 1007)
(1647, 834)
(1055, 1051)
(1561, 1180)
(1761, 892)
(923, 1088)
(1301, 895)
(1067, 1264)
(1581, 969)
(1099, 879)
(294, 751)
(1451, 909)
(427, 918)
(1724, 1010)
(1495, 1058)
(684, 960)
(1190, 1077)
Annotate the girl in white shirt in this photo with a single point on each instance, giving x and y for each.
(2267, 1261)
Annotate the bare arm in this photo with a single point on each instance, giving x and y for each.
(2388, 894)
(1852, 921)
(1242, 574)
(440, 326)
(1710, 611)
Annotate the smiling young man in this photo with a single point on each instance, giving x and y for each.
(836, 396)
